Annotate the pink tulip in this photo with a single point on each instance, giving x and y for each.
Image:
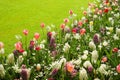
(82, 31)
(80, 23)
(1, 45)
(42, 25)
(70, 67)
(85, 12)
(71, 12)
(104, 59)
(66, 20)
(18, 46)
(25, 32)
(118, 68)
(37, 36)
(62, 26)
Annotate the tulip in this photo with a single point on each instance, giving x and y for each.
(36, 36)
(104, 59)
(38, 67)
(54, 72)
(80, 23)
(74, 30)
(96, 38)
(83, 74)
(82, 31)
(1, 45)
(2, 71)
(118, 31)
(42, 25)
(10, 59)
(106, 10)
(25, 32)
(37, 48)
(66, 20)
(118, 68)
(92, 45)
(18, 46)
(62, 26)
(71, 12)
(94, 56)
(69, 67)
(115, 50)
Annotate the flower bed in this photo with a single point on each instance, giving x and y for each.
(84, 49)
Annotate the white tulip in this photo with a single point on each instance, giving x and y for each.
(67, 36)
(83, 74)
(87, 64)
(102, 69)
(85, 52)
(10, 59)
(105, 43)
(96, 79)
(92, 45)
(77, 36)
(25, 53)
(2, 71)
(94, 56)
(42, 46)
(66, 47)
(38, 67)
(115, 37)
(2, 51)
(118, 31)
(84, 57)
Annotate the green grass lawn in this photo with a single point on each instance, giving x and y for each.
(16, 15)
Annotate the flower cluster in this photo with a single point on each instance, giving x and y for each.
(84, 49)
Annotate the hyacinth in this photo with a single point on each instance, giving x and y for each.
(10, 59)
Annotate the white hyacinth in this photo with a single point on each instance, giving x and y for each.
(20, 59)
(92, 45)
(66, 47)
(2, 71)
(42, 46)
(94, 56)
(85, 52)
(25, 53)
(10, 59)
(84, 57)
(115, 37)
(16, 69)
(83, 74)
(87, 64)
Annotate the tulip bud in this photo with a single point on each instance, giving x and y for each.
(25, 32)
(37, 36)
(38, 67)
(1, 45)
(118, 68)
(42, 25)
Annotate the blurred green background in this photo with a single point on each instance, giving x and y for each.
(16, 15)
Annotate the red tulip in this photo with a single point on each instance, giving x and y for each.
(70, 67)
(66, 20)
(37, 36)
(42, 25)
(74, 30)
(82, 31)
(106, 10)
(115, 50)
(118, 68)
(25, 32)
(71, 12)
(37, 48)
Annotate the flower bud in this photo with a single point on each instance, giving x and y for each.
(2, 71)
(38, 67)
(10, 59)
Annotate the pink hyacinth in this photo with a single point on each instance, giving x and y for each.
(37, 36)
(25, 32)
(118, 68)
